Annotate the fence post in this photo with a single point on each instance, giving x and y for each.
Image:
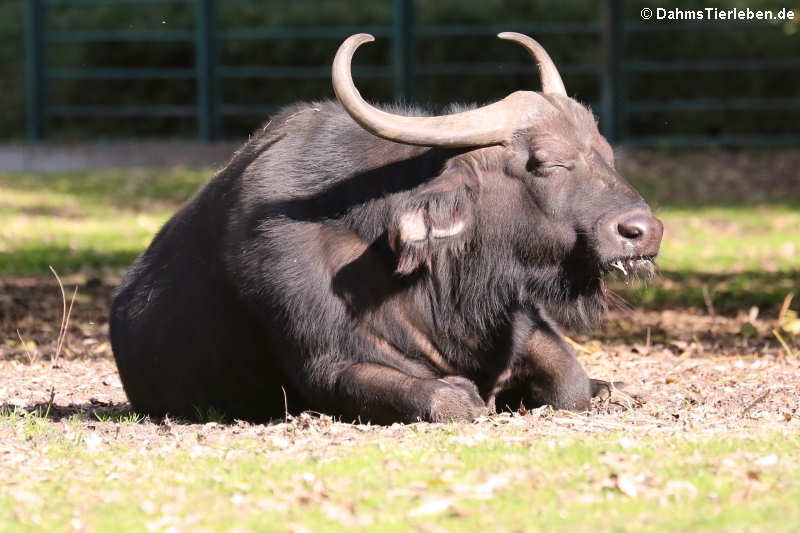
(34, 56)
(615, 117)
(403, 49)
(205, 64)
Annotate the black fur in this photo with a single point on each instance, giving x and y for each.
(328, 269)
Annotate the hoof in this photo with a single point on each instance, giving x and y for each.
(618, 392)
(456, 399)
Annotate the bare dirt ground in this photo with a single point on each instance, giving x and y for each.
(686, 369)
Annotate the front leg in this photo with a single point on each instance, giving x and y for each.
(383, 395)
(542, 370)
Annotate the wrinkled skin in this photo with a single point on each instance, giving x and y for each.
(328, 269)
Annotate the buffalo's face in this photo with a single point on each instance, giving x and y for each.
(580, 219)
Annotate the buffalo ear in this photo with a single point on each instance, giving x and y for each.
(435, 218)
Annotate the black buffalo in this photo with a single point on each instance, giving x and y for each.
(383, 265)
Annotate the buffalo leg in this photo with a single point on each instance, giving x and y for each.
(558, 379)
(543, 371)
(381, 394)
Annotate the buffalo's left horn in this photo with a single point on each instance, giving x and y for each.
(491, 124)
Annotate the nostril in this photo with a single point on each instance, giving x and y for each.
(630, 231)
(633, 227)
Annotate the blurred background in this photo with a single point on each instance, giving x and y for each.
(115, 111)
(214, 70)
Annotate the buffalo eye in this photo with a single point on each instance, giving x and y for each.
(545, 169)
(543, 163)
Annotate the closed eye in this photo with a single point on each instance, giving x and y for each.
(545, 169)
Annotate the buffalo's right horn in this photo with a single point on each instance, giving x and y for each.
(551, 79)
(491, 124)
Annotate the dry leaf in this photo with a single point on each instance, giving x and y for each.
(432, 506)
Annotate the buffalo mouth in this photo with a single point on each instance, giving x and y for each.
(630, 267)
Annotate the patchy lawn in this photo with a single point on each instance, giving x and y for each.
(542, 471)
(708, 440)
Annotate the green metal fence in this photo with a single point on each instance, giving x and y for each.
(614, 107)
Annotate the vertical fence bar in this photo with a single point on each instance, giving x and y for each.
(614, 113)
(403, 49)
(205, 62)
(34, 58)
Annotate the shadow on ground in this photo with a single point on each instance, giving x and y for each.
(725, 294)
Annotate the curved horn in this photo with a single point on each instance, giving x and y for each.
(551, 79)
(491, 124)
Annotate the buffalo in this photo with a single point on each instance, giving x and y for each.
(386, 265)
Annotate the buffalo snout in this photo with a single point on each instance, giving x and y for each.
(635, 233)
(642, 231)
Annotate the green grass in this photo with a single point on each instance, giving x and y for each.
(122, 417)
(512, 481)
(76, 221)
(731, 239)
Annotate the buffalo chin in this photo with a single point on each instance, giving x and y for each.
(582, 310)
(584, 306)
(573, 301)
(582, 303)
